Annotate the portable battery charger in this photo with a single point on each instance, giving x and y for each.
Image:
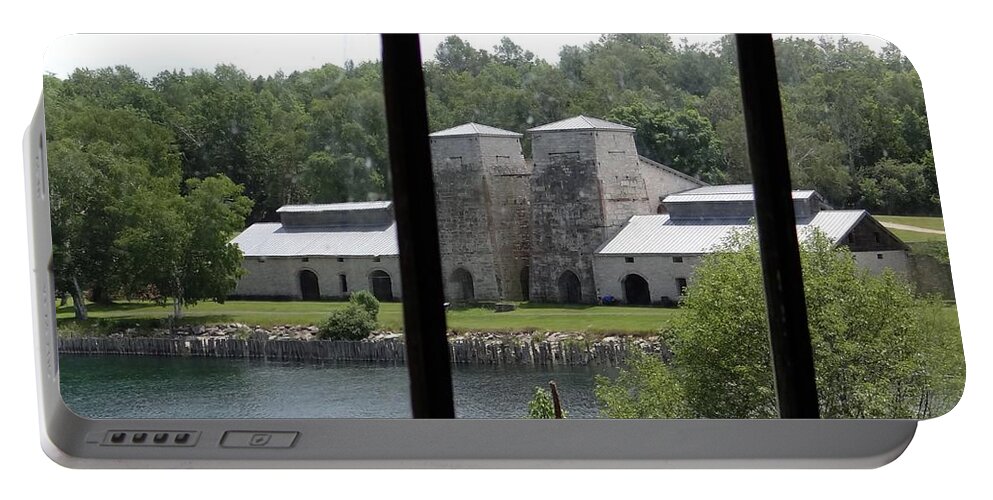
(276, 271)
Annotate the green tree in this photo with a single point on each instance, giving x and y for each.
(892, 187)
(98, 158)
(879, 351)
(178, 247)
(458, 55)
(646, 388)
(683, 140)
(511, 54)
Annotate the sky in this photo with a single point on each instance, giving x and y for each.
(267, 54)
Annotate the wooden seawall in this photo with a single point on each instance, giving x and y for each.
(543, 353)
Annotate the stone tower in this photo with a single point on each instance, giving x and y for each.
(587, 182)
(482, 189)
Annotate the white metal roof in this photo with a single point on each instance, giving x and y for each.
(271, 239)
(581, 123)
(474, 129)
(656, 234)
(727, 192)
(336, 207)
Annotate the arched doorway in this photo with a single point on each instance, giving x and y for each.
(526, 283)
(461, 286)
(382, 285)
(310, 289)
(636, 291)
(570, 290)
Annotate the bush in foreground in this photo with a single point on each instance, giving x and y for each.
(354, 322)
(879, 351)
(366, 300)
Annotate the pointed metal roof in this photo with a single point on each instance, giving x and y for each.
(471, 128)
(581, 123)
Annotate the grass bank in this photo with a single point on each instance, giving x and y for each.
(935, 223)
(545, 318)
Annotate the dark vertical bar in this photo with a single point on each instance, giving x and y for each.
(792, 356)
(417, 228)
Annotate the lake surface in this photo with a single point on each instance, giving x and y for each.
(167, 387)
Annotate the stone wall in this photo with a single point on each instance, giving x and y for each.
(660, 271)
(279, 277)
(567, 212)
(482, 191)
(877, 261)
(622, 185)
(661, 181)
(586, 185)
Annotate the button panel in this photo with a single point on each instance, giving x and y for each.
(258, 439)
(145, 438)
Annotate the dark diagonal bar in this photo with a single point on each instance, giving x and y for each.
(417, 229)
(792, 356)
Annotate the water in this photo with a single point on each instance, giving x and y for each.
(165, 387)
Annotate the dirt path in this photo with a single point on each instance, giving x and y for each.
(894, 225)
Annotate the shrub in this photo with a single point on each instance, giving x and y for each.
(353, 322)
(879, 350)
(541, 405)
(645, 389)
(367, 301)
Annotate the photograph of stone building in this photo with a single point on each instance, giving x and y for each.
(584, 218)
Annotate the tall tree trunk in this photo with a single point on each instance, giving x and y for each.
(78, 302)
(177, 308)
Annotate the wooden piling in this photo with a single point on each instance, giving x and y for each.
(462, 351)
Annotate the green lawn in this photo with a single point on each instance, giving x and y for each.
(936, 223)
(592, 319)
(914, 236)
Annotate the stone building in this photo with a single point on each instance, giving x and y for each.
(322, 251)
(588, 180)
(585, 218)
(481, 195)
(652, 258)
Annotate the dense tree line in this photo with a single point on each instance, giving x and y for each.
(121, 144)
